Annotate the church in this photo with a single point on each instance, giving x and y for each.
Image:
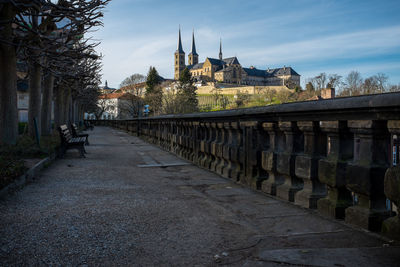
(229, 70)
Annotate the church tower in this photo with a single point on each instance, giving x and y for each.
(179, 58)
(220, 49)
(193, 56)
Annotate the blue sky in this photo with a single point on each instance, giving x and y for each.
(309, 35)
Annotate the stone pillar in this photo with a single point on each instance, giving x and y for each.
(268, 159)
(174, 144)
(196, 141)
(286, 161)
(226, 150)
(365, 175)
(207, 146)
(214, 144)
(391, 226)
(203, 140)
(253, 145)
(220, 149)
(306, 166)
(234, 155)
(332, 169)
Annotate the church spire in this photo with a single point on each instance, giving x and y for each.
(180, 50)
(220, 49)
(193, 56)
(193, 46)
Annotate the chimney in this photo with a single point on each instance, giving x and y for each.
(328, 93)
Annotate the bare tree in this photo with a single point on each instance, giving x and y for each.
(381, 80)
(133, 79)
(334, 81)
(29, 26)
(130, 106)
(353, 84)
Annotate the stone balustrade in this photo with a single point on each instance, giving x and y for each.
(335, 156)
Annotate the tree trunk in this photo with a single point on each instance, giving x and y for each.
(8, 81)
(35, 82)
(66, 112)
(47, 98)
(58, 107)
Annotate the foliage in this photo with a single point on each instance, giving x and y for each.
(186, 93)
(153, 96)
(241, 99)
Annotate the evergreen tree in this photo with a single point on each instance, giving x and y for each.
(186, 95)
(154, 94)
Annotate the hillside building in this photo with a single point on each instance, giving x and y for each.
(229, 70)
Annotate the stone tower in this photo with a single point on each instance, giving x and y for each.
(193, 56)
(179, 58)
(220, 49)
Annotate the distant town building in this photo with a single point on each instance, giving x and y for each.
(105, 89)
(117, 106)
(229, 70)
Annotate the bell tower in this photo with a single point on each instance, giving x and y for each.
(193, 56)
(179, 58)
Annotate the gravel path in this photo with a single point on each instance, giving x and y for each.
(114, 208)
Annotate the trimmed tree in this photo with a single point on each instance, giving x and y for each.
(187, 93)
(154, 94)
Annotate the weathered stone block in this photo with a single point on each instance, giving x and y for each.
(234, 154)
(268, 160)
(285, 163)
(366, 180)
(366, 218)
(305, 167)
(226, 152)
(391, 226)
(332, 173)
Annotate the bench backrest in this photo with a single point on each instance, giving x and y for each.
(64, 133)
(74, 129)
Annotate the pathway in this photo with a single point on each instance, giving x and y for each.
(119, 207)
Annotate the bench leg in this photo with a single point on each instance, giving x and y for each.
(87, 141)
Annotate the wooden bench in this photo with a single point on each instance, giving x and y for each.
(88, 125)
(70, 142)
(74, 131)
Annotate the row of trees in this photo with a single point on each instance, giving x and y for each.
(47, 37)
(351, 85)
(181, 98)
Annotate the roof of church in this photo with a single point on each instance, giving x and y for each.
(225, 61)
(283, 71)
(215, 61)
(257, 72)
(231, 60)
(195, 67)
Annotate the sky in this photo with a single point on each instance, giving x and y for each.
(311, 36)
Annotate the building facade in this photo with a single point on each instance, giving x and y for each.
(229, 70)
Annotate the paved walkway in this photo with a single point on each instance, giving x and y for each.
(117, 208)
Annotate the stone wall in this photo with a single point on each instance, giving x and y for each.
(329, 155)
